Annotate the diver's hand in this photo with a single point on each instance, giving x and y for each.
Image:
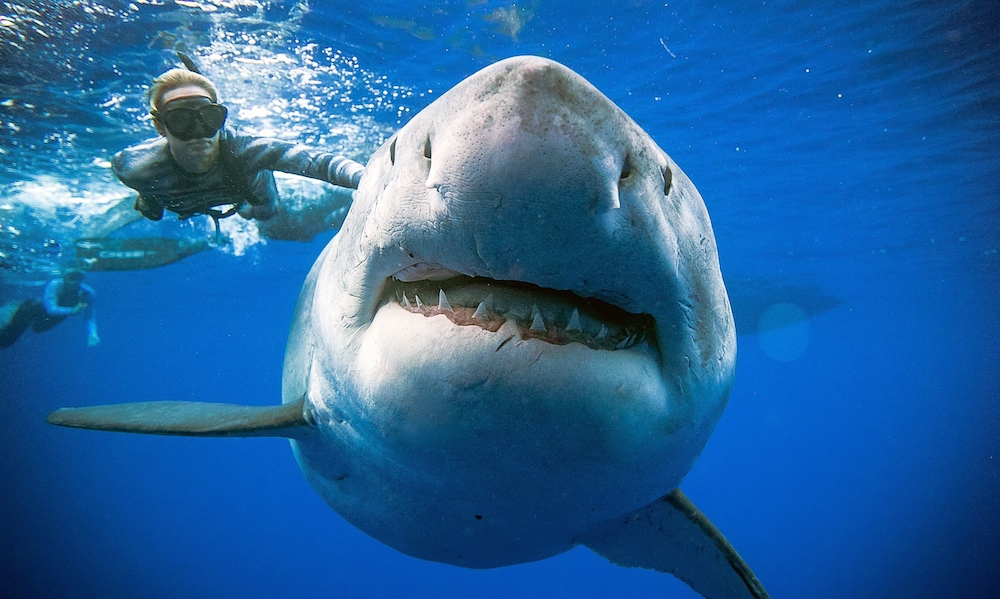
(79, 307)
(263, 211)
(150, 211)
(93, 339)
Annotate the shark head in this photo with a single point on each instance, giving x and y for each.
(520, 332)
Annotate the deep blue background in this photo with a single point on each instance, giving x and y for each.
(845, 145)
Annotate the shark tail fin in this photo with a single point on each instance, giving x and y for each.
(672, 536)
(191, 419)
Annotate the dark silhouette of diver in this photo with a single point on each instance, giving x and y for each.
(63, 297)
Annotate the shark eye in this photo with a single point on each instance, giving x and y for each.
(392, 152)
(668, 178)
(427, 149)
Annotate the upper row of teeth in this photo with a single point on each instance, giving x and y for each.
(537, 321)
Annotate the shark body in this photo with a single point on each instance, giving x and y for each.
(519, 342)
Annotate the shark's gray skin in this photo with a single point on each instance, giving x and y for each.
(519, 342)
(302, 218)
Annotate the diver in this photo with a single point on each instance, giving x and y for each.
(199, 165)
(63, 297)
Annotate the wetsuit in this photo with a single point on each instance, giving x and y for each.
(242, 174)
(58, 302)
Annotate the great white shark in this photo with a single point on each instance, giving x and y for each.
(519, 342)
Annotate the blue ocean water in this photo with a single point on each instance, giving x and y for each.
(847, 155)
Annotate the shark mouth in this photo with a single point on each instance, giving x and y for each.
(557, 317)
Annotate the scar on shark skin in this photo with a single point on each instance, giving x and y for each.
(503, 343)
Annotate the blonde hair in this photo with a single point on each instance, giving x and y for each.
(175, 78)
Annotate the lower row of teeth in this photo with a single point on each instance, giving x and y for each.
(538, 327)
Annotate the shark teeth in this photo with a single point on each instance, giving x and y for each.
(555, 317)
(574, 321)
(537, 324)
(482, 311)
(443, 301)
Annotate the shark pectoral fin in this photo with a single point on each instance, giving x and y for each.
(188, 418)
(671, 535)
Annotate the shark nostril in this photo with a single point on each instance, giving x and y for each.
(626, 167)
(427, 149)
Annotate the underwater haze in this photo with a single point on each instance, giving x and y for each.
(847, 153)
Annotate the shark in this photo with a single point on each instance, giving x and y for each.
(518, 343)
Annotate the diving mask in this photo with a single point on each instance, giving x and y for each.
(190, 118)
